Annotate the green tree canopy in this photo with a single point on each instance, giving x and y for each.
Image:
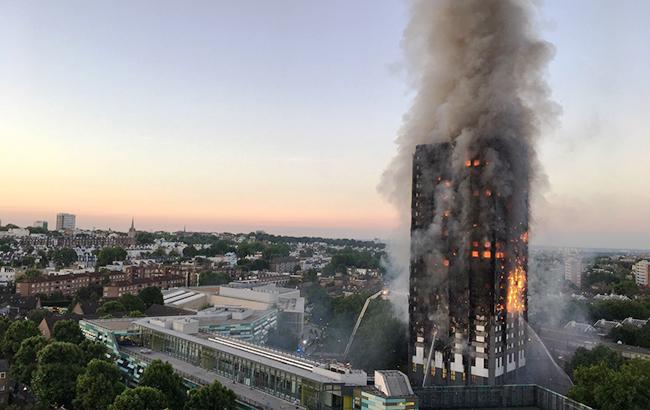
(602, 387)
(213, 278)
(4, 325)
(25, 360)
(67, 331)
(33, 273)
(151, 296)
(132, 302)
(54, 381)
(584, 358)
(161, 376)
(141, 398)
(144, 238)
(64, 257)
(37, 315)
(111, 254)
(211, 397)
(98, 386)
(190, 251)
(92, 350)
(111, 307)
(18, 331)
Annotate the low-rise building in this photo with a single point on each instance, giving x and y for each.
(259, 376)
(392, 390)
(4, 381)
(133, 286)
(65, 284)
(288, 303)
(7, 275)
(284, 264)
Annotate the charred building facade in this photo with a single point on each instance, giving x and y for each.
(469, 256)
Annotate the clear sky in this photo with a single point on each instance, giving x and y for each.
(281, 115)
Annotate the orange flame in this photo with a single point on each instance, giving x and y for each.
(516, 287)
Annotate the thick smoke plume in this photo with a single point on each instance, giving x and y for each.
(477, 70)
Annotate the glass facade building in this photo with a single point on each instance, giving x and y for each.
(294, 379)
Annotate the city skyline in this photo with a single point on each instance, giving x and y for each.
(252, 118)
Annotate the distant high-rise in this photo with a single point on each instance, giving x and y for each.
(65, 221)
(573, 268)
(469, 257)
(641, 272)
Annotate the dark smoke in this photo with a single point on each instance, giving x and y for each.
(477, 68)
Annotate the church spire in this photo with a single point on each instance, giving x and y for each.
(132, 223)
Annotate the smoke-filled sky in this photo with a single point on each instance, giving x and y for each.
(242, 115)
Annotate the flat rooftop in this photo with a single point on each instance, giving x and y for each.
(114, 325)
(396, 383)
(277, 359)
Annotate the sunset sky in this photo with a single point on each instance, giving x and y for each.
(281, 115)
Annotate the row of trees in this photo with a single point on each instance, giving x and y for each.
(632, 335)
(348, 257)
(603, 380)
(71, 371)
(133, 305)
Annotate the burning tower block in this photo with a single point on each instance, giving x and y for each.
(469, 257)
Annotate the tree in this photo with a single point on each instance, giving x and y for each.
(189, 251)
(132, 302)
(151, 296)
(67, 331)
(213, 396)
(36, 315)
(381, 341)
(136, 313)
(161, 376)
(310, 276)
(98, 386)
(111, 307)
(585, 358)
(32, 273)
(92, 350)
(213, 278)
(608, 389)
(64, 257)
(54, 381)
(141, 398)
(24, 363)
(92, 292)
(5, 322)
(587, 379)
(144, 238)
(18, 331)
(111, 254)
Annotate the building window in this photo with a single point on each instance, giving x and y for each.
(3, 375)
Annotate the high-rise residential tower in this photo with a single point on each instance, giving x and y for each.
(65, 221)
(469, 256)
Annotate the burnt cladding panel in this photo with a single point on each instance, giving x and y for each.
(431, 165)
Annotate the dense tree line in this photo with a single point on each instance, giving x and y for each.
(348, 257)
(73, 372)
(132, 305)
(213, 278)
(109, 255)
(603, 380)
